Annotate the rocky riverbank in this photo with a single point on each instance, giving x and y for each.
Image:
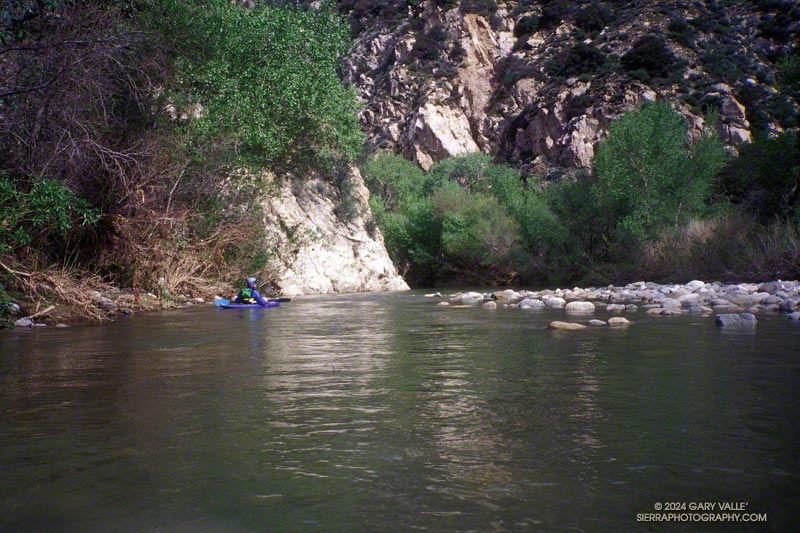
(94, 306)
(732, 305)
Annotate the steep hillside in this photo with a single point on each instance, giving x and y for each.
(536, 83)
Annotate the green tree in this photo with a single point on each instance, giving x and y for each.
(264, 78)
(648, 176)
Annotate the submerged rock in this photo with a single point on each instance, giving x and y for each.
(736, 320)
(619, 322)
(557, 324)
(595, 323)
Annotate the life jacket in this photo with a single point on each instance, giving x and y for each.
(245, 296)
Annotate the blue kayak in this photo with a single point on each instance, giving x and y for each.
(249, 306)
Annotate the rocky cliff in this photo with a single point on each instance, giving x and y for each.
(323, 241)
(537, 84)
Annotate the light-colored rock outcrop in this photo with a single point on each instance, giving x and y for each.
(314, 251)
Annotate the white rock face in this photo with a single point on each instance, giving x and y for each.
(440, 132)
(314, 252)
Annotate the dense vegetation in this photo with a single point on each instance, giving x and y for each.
(655, 206)
(121, 123)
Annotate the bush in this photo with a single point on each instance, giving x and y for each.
(577, 105)
(651, 54)
(765, 178)
(511, 69)
(42, 217)
(681, 32)
(429, 45)
(594, 17)
(648, 178)
(581, 58)
(485, 8)
(553, 12)
(526, 26)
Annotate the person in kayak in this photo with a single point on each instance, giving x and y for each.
(250, 295)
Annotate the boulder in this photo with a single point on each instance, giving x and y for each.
(529, 303)
(594, 323)
(555, 302)
(556, 324)
(23, 323)
(615, 308)
(695, 284)
(794, 317)
(619, 322)
(579, 307)
(736, 320)
(489, 305)
(468, 297)
(443, 303)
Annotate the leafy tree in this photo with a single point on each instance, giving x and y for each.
(393, 179)
(764, 179)
(648, 176)
(265, 78)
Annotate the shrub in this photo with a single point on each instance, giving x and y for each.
(594, 17)
(581, 58)
(765, 178)
(647, 177)
(478, 237)
(429, 45)
(577, 105)
(484, 8)
(393, 179)
(41, 217)
(651, 54)
(681, 32)
(526, 26)
(553, 12)
(511, 69)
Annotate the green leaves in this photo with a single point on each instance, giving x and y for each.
(48, 211)
(647, 174)
(265, 77)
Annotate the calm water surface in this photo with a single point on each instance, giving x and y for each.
(383, 412)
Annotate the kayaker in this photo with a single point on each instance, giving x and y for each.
(250, 295)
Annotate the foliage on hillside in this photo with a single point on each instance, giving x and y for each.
(648, 210)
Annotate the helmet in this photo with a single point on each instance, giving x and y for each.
(251, 281)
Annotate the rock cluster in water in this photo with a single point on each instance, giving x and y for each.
(733, 305)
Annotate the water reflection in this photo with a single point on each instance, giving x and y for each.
(383, 412)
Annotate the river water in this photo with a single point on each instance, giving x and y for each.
(383, 412)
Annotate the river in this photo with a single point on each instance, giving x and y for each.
(384, 412)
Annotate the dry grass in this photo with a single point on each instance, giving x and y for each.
(731, 247)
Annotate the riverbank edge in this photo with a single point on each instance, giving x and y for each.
(732, 304)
